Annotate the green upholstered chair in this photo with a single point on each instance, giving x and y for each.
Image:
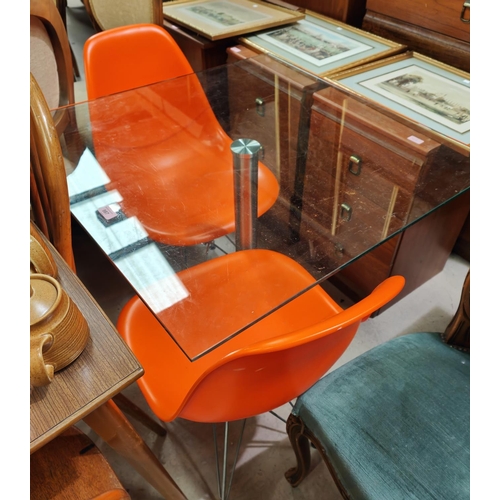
(392, 424)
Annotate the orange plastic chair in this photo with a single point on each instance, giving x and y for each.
(268, 364)
(188, 197)
(131, 56)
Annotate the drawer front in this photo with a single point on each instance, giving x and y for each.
(376, 167)
(372, 185)
(441, 16)
(350, 239)
(360, 220)
(348, 173)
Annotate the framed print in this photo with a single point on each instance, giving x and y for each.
(322, 46)
(217, 19)
(418, 88)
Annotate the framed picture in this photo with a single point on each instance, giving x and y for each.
(217, 19)
(428, 93)
(321, 45)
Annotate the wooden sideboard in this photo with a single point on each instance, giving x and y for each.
(436, 28)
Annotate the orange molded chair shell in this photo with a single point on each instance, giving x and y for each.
(263, 367)
(131, 56)
(185, 196)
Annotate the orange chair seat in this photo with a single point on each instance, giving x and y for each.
(261, 368)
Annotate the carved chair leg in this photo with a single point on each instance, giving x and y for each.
(457, 333)
(139, 414)
(301, 448)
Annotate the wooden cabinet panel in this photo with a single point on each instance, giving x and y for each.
(431, 27)
(348, 11)
(441, 16)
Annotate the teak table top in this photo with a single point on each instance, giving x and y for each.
(105, 367)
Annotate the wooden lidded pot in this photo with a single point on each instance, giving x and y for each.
(58, 330)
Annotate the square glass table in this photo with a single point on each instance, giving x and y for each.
(142, 161)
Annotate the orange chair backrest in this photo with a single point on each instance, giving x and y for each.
(131, 56)
(263, 376)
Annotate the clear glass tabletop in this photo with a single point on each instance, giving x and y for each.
(148, 179)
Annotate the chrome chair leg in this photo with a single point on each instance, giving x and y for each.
(277, 416)
(221, 483)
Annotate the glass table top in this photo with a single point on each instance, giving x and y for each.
(154, 180)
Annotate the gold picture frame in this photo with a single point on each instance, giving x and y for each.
(322, 46)
(416, 89)
(218, 19)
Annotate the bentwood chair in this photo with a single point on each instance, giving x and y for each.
(51, 63)
(268, 364)
(188, 198)
(108, 14)
(49, 200)
(394, 422)
(71, 466)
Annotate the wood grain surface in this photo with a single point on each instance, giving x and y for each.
(105, 367)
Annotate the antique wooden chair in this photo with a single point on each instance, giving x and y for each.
(51, 63)
(394, 422)
(72, 467)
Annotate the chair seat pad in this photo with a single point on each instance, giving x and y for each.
(394, 422)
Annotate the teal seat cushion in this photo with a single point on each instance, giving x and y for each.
(394, 422)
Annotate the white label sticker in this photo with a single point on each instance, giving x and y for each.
(415, 139)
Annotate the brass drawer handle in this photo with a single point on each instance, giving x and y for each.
(260, 106)
(355, 164)
(462, 14)
(345, 212)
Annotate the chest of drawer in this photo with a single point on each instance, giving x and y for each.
(356, 153)
(366, 175)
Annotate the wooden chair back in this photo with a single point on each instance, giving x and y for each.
(107, 14)
(50, 58)
(48, 185)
